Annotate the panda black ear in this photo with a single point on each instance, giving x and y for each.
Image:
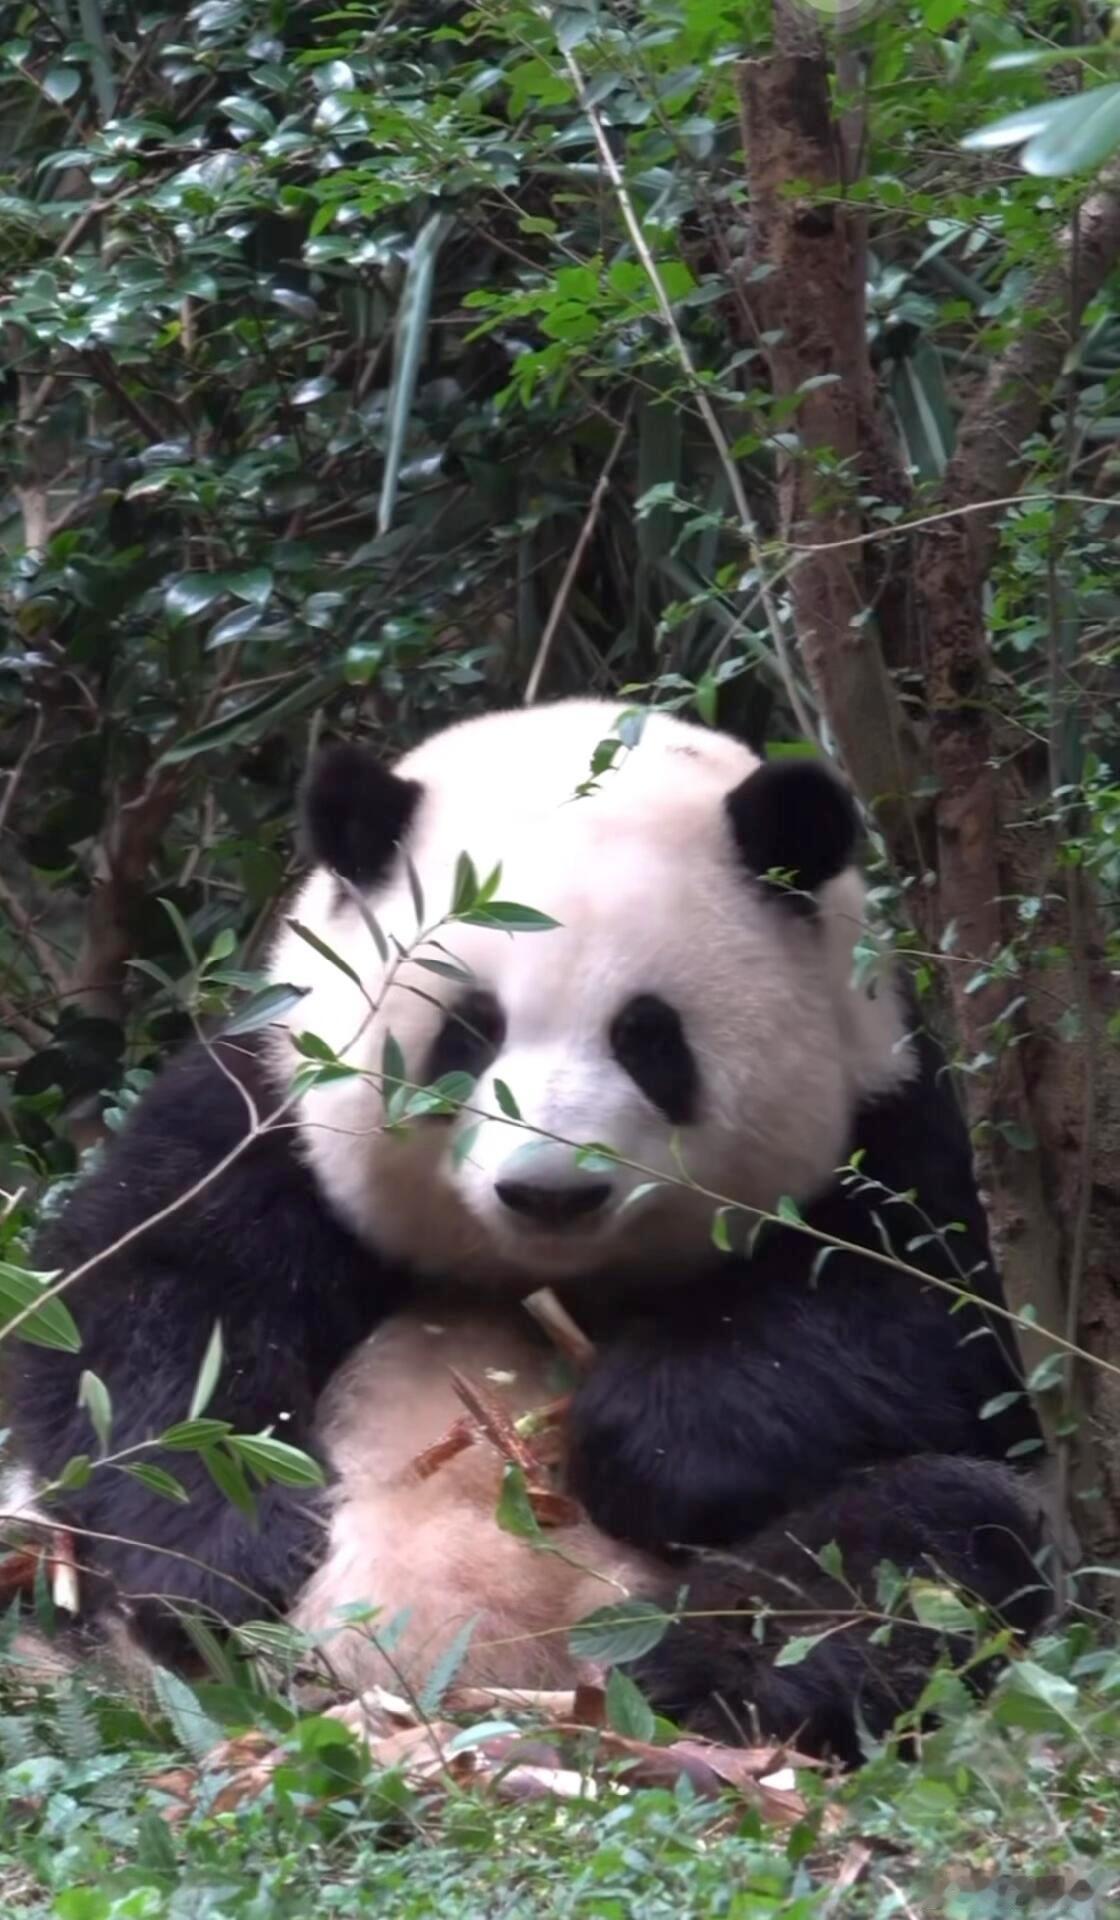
(355, 812)
(794, 815)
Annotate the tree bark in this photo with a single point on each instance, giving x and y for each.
(1045, 1113)
(809, 305)
(126, 851)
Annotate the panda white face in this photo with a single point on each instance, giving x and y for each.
(680, 1013)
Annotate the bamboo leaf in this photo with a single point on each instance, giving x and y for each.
(264, 1007)
(93, 1395)
(1078, 141)
(207, 1374)
(327, 953)
(408, 355)
(250, 719)
(51, 1324)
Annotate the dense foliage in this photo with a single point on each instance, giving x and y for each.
(372, 364)
(322, 330)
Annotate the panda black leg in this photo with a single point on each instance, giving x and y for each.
(964, 1522)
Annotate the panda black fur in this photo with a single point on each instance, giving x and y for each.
(756, 1406)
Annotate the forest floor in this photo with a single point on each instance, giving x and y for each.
(220, 1804)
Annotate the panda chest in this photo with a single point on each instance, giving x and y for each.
(397, 1395)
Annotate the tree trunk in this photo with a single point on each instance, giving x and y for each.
(1043, 1099)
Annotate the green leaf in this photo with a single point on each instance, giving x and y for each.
(368, 918)
(445, 1669)
(393, 1070)
(151, 972)
(706, 699)
(789, 1211)
(243, 111)
(628, 1711)
(1048, 1374)
(320, 1075)
(182, 933)
(276, 1460)
(941, 1608)
(222, 947)
(207, 1374)
(798, 1648)
(446, 969)
(51, 1324)
(509, 916)
(1014, 128)
(445, 1095)
(61, 84)
(158, 1481)
(93, 1395)
(312, 1048)
(940, 14)
(595, 1158)
(999, 1404)
(306, 392)
(831, 1560)
(414, 887)
(192, 1725)
(249, 720)
(327, 953)
(409, 347)
(254, 586)
(192, 593)
(514, 1512)
(191, 1436)
(362, 662)
(464, 889)
(822, 1255)
(228, 1476)
(234, 626)
(261, 1008)
(624, 1631)
(1077, 142)
(75, 1473)
(506, 1101)
(463, 1143)
(1062, 136)
(1031, 1696)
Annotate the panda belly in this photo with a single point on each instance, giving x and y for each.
(427, 1552)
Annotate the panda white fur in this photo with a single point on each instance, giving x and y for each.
(427, 1548)
(699, 1018)
(639, 876)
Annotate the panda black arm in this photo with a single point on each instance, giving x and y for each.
(255, 1250)
(767, 1385)
(700, 1430)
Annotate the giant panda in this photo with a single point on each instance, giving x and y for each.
(761, 1390)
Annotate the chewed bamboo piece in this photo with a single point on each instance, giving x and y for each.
(530, 1442)
(557, 1322)
(19, 1568)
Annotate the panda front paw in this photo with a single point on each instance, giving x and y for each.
(653, 1462)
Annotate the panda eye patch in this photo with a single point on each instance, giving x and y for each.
(648, 1041)
(470, 1038)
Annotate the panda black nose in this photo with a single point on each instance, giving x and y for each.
(553, 1206)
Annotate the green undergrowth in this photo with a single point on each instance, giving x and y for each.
(1011, 1809)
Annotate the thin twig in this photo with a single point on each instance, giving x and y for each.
(704, 405)
(16, 774)
(556, 611)
(40, 948)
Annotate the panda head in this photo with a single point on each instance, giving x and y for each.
(688, 1011)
